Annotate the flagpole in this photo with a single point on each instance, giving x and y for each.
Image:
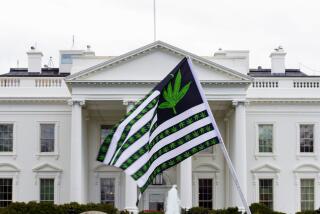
(222, 145)
(154, 21)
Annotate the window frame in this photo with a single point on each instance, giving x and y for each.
(315, 140)
(272, 182)
(272, 154)
(307, 171)
(13, 153)
(206, 175)
(55, 153)
(266, 171)
(54, 186)
(314, 191)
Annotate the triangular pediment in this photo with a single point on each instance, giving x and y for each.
(7, 167)
(266, 168)
(46, 168)
(152, 63)
(207, 168)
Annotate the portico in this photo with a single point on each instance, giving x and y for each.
(101, 95)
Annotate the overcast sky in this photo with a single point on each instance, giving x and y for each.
(113, 27)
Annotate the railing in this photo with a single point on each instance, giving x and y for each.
(9, 82)
(48, 83)
(265, 84)
(306, 84)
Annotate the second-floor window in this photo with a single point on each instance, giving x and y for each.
(306, 138)
(265, 137)
(47, 137)
(6, 137)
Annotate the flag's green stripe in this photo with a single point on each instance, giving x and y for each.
(171, 146)
(177, 127)
(127, 128)
(135, 157)
(136, 136)
(175, 160)
(106, 143)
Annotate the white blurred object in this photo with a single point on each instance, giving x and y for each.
(173, 201)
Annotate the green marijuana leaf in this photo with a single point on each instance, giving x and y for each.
(174, 96)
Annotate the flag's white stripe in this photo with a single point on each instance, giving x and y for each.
(132, 149)
(173, 153)
(118, 132)
(138, 125)
(154, 120)
(165, 141)
(141, 122)
(177, 119)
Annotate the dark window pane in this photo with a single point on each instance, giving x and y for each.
(205, 196)
(266, 192)
(5, 191)
(306, 138)
(47, 189)
(6, 137)
(47, 137)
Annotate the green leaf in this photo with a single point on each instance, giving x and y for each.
(177, 84)
(183, 91)
(170, 90)
(174, 96)
(165, 105)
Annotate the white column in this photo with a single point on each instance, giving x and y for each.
(240, 152)
(186, 183)
(131, 189)
(77, 162)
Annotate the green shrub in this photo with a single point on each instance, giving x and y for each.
(257, 208)
(49, 208)
(198, 210)
(230, 210)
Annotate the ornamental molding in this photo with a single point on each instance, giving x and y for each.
(46, 167)
(76, 102)
(7, 167)
(34, 100)
(284, 100)
(102, 83)
(148, 49)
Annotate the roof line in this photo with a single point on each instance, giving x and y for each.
(149, 47)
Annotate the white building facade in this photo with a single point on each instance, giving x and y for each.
(52, 121)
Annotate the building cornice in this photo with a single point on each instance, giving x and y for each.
(34, 100)
(151, 82)
(284, 100)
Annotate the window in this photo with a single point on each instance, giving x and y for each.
(47, 132)
(265, 137)
(5, 191)
(266, 192)
(156, 201)
(307, 194)
(306, 138)
(6, 137)
(66, 59)
(107, 190)
(158, 180)
(104, 131)
(205, 193)
(47, 190)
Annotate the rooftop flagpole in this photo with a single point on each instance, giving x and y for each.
(154, 21)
